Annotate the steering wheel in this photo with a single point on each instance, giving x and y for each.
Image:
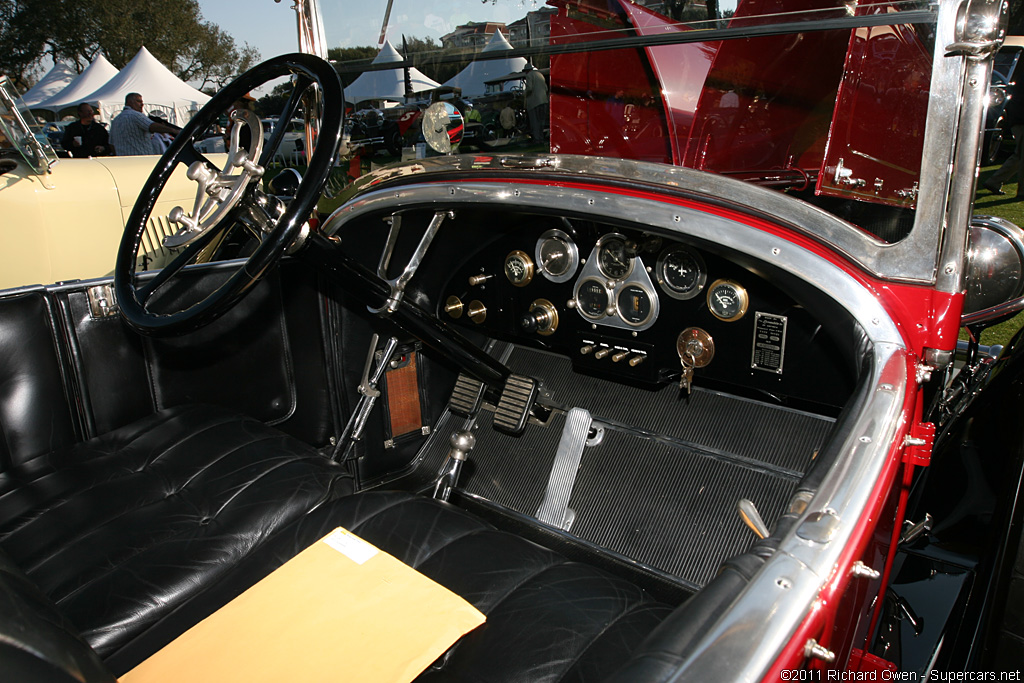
(229, 197)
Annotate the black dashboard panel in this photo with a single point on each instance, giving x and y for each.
(623, 303)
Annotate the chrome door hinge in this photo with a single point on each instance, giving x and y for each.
(102, 303)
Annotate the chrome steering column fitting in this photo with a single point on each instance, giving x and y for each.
(397, 284)
(462, 443)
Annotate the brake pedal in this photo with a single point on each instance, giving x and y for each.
(514, 405)
(467, 396)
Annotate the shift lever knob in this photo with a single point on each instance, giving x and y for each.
(462, 443)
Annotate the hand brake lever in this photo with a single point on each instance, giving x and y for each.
(369, 394)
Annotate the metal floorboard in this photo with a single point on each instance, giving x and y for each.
(662, 486)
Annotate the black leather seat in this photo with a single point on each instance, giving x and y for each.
(548, 618)
(124, 531)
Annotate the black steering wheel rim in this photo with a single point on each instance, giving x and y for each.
(307, 69)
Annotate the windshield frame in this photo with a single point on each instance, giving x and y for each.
(13, 125)
(934, 252)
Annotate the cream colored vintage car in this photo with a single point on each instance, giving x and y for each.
(62, 218)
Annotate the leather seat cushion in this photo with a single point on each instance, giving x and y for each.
(548, 618)
(125, 530)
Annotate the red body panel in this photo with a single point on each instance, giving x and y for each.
(807, 105)
(886, 81)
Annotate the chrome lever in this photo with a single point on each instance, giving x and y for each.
(752, 518)
(397, 284)
(462, 443)
(369, 392)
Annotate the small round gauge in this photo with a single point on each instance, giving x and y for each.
(615, 257)
(681, 272)
(634, 304)
(592, 299)
(519, 268)
(727, 300)
(557, 256)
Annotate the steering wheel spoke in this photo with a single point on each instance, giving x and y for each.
(228, 199)
(287, 113)
(185, 257)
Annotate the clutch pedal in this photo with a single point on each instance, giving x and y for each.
(467, 396)
(514, 405)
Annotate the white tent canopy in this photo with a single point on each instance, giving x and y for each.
(388, 84)
(472, 80)
(161, 90)
(53, 82)
(99, 72)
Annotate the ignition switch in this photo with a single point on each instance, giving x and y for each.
(542, 318)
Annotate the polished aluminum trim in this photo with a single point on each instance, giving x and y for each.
(641, 211)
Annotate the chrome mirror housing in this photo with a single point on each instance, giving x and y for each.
(995, 270)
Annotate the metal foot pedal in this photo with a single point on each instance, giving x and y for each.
(554, 509)
(514, 405)
(467, 396)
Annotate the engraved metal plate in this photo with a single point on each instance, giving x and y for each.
(769, 348)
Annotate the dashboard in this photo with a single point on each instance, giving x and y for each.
(642, 308)
(623, 301)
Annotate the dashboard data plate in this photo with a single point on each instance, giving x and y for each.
(769, 348)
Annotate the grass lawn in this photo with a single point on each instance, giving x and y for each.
(1012, 209)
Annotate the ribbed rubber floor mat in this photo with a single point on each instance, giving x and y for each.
(662, 486)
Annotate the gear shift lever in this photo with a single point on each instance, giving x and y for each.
(462, 443)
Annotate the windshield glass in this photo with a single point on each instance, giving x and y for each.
(16, 134)
(822, 100)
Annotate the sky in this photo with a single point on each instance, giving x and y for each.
(270, 26)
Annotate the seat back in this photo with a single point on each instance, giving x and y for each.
(35, 414)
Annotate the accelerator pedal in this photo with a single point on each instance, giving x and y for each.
(467, 396)
(514, 405)
(554, 509)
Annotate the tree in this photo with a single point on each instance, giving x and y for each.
(24, 40)
(74, 31)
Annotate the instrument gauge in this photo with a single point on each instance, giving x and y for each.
(634, 304)
(592, 299)
(615, 257)
(727, 300)
(519, 268)
(681, 272)
(557, 256)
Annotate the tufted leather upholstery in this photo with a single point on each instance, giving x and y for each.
(124, 530)
(548, 618)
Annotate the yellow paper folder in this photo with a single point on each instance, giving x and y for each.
(341, 610)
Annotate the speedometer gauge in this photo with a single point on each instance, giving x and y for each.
(615, 257)
(557, 256)
(592, 299)
(681, 272)
(727, 300)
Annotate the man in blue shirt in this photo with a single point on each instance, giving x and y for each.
(131, 131)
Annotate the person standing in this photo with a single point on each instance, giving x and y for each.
(86, 137)
(1014, 121)
(536, 101)
(131, 130)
